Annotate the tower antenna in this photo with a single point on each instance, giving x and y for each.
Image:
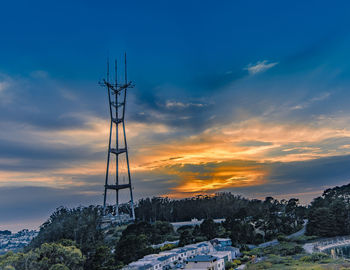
(117, 123)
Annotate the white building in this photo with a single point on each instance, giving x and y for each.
(205, 262)
(201, 255)
(194, 222)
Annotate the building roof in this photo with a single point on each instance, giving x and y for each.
(203, 258)
(164, 258)
(222, 239)
(227, 248)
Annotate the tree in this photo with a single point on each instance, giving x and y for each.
(186, 238)
(80, 225)
(319, 222)
(49, 256)
(59, 266)
(209, 229)
(132, 247)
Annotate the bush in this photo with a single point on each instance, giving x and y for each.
(167, 247)
(259, 266)
(59, 266)
(315, 257)
(304, 238)
(230, 265)
(282, 238)
(238, 262)
(284, 249)
(275, 259)
(245, 258)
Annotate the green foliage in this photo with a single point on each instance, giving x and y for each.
(81, 227)
(132, 247)
(315, 257)
(218, 206)
(329, 214)
(59, 266)
(315, 261)
(136, 240)
(282, 238)
(302, 239)
(167, 247)
(49, 256)
(79, 224)
(209, 228)
(282, 249)
(247, 221)
(245, 258)
(260, 266)
(186, 238)
(230, 265)
(238, 262)
(239, 231)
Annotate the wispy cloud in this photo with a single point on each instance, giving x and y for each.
(260, 66)
(177, 104)
(3, 86)
(5, 93)
(311, 101)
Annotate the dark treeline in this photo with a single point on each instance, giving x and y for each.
(329, 214)
(247, 221)
(221, 205)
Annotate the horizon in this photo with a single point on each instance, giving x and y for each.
(232, 97)
(33, 225)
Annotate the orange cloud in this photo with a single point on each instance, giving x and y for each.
(255, 140)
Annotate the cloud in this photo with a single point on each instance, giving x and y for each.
(3, 86)
(308, 103)
(39, 74)
(5, 93)
(177, 104)
(259, 67)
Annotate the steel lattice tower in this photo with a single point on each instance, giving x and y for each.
(117, 93)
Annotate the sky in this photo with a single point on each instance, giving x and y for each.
(248, 97)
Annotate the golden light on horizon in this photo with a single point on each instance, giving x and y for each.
(252, 140)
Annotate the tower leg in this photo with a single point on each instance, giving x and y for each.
(107, 169)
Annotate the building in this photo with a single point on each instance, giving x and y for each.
(223, 242)
(225, 255)
(193, 222)
(203, 255)
(233, 250)
(16, 241)
(209, 262)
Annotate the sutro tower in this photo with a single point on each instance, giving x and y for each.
(119, 148)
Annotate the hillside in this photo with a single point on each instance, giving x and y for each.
(75, 235)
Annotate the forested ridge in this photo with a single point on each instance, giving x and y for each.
(329, 214)
(73, 238)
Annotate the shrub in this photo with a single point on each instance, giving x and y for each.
(284, 249)
(282, 238)
(315, 257)
(238, 262)
(230, 265)
(245, 258)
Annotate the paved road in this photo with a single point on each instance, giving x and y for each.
(300, 232)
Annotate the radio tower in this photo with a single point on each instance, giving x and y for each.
(117, 101)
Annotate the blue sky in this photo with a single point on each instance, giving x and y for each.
(242, 96)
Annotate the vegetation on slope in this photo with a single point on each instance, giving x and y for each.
(49, 256)
(329, 214)
(290, 255)
(73, 238)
